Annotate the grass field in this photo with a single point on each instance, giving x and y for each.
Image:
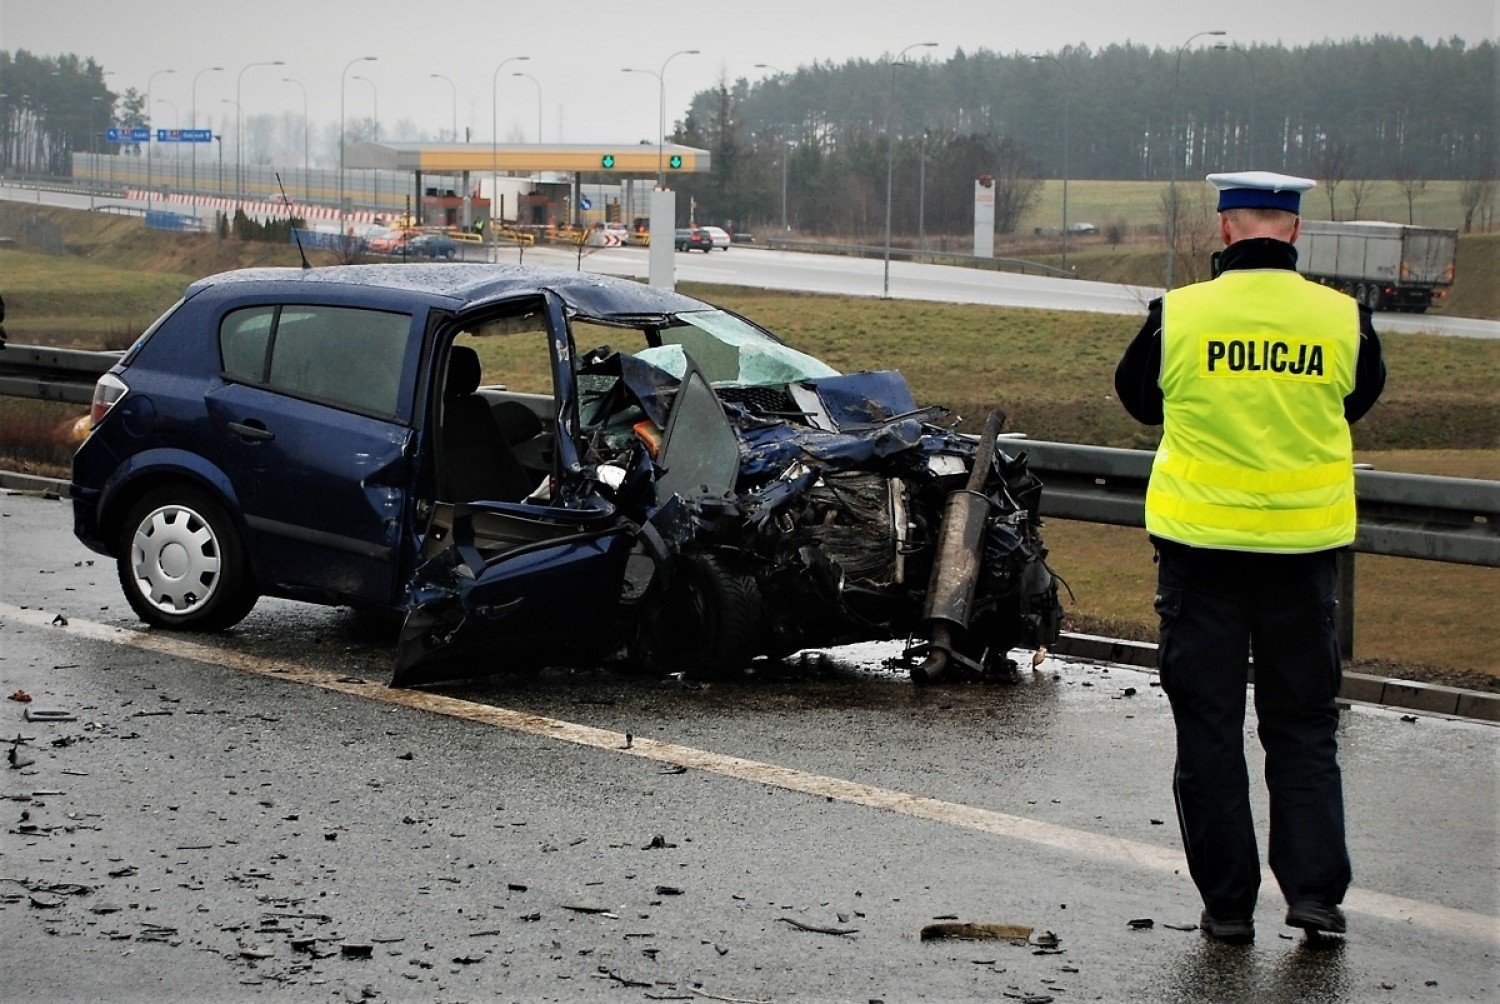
(1050, 371)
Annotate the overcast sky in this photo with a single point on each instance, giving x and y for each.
(577, 49)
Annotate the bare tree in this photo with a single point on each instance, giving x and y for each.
(1359, 190)
(1333, 161)
(1476, 196)
(1197, 231)
(1412, 184)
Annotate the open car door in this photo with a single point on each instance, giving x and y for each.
(509, 586)
(505, 584)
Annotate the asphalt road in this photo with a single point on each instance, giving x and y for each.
(255, 816)
(816, 273)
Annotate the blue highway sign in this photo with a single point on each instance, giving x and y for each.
(184, 135)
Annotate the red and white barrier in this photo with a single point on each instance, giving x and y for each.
(264, 210)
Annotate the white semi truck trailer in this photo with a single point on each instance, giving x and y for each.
(1385, 266)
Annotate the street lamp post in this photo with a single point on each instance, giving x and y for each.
(374, 107)
(306, 161)
(219, 139)
(193, 115)
(94, 179)
(239, 131)
(454, 87)
(1172, 208)
(495, 140)
(786, 154)
(343, 75)
(176, 150)
(922, 195)
(1067, 89)
(538, 83)
(661, 109)
(785, 148)
(374, 135)
(1254, 88)
(150, 139)
(890, 156)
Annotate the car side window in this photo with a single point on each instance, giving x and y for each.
(342, 356)
(244, 338)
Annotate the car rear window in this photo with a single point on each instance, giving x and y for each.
(342, 356)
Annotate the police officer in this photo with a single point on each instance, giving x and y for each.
(1255, 377)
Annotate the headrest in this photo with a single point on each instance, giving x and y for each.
(463, 372)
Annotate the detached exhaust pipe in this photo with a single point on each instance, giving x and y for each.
(955, 568)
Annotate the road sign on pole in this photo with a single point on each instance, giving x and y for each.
(184, 135)
(127, 134)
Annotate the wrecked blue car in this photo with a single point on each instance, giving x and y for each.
(687, 492)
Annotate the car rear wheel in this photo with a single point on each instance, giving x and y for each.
(707, 623)
(182, 564)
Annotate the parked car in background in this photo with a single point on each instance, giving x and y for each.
(430, 246)
(694, 239)
(719, 236)
(1082, 228)
(691, 491)
(387, 240)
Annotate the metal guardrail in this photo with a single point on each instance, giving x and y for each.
(1404, 515)
(1021, 265)
(48, 374)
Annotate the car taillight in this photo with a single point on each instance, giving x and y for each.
(107, 393)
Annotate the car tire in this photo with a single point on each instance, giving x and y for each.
(181, 562)
(706, 624)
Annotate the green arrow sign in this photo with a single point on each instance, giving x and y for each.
(675, 161)
(607, 161)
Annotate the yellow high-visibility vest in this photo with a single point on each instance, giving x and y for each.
(1255, 452)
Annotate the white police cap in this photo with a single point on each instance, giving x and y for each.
(1260, 190)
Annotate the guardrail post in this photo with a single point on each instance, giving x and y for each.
(1345, 594)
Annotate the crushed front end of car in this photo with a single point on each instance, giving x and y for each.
(819, 509)
(718, 496)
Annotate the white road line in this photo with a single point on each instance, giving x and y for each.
(1148, 857)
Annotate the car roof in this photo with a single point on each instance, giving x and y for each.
(459, 286)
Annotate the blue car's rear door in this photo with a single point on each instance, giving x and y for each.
(310, 423)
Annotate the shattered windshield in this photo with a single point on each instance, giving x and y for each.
(731, 352)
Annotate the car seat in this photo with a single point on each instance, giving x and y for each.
(476, 460)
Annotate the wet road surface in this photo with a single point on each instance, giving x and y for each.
(226, 814)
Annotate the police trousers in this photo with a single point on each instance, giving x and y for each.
(1216, 608)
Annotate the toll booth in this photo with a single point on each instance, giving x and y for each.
(554, 195)
(445, 208)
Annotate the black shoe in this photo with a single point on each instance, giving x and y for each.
(1314, 917)
(1231, 932)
